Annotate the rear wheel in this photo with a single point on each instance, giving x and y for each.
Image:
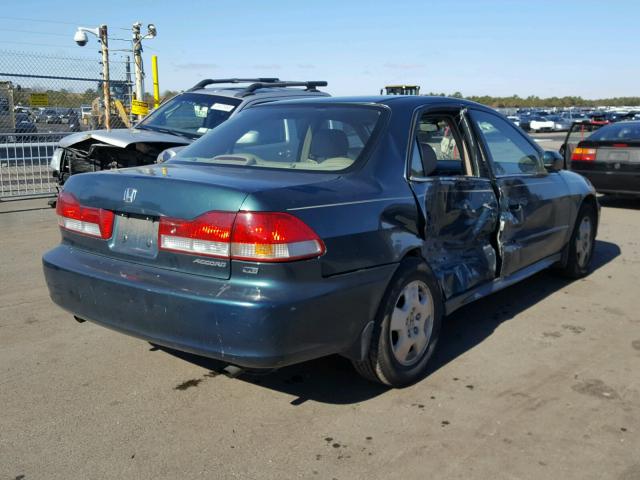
(581, 243)
(406, 328)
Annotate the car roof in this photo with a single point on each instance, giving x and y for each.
(393, 101)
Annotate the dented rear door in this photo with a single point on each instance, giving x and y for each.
(459, 208)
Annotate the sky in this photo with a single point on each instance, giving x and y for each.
(493, 47)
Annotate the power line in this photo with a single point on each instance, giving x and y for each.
(58, 22)
(36, 44)
(40, 20)
(35, 32)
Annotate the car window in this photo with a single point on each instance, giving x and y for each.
(511, 153)
(581, 131)
(416, 168)
(301, 137)
(617, 131)
(435, 135)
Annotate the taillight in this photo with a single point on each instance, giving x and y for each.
(95, 222)
(253, 236)
(209, 234)
(273, 237)
(584, 154)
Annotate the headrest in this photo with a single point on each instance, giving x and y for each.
(328, 143)
(429, 159)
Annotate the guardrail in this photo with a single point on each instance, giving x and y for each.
(24, 165)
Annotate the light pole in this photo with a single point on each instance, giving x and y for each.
(137, 56)
(81, 39)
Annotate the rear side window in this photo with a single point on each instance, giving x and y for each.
(510, 152)
(438, 139)
(302, 137)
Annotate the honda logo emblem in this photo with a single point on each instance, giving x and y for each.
(130, 195)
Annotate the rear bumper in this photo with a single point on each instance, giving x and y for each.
(611, 181)
(253, 323)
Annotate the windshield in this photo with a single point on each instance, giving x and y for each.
(302, 137)
(617, 131)
(190, 114)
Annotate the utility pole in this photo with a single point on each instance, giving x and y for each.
(127, 70)
(106, 86)
(137, 62)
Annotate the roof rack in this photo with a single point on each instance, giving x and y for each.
(211, 81)
(311, 86)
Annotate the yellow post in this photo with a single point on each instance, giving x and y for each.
(156, 87)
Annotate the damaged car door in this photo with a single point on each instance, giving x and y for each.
(457, 200)
(535, 211)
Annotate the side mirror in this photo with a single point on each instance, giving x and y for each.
(553, 161)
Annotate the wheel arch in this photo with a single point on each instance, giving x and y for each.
(591, 201)
(360, 348)
(417, 254)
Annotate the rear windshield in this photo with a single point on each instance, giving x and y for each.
(617, 131)
(190, 114)
(302, 137)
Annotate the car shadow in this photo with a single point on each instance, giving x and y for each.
(613, 201)
(333, 380)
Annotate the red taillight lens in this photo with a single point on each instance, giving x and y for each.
(584, 154)
(273, 237)
(254, 236)
(208, 234)
(95, 222)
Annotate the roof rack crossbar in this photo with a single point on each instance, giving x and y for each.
(211, 81)
(311, 86)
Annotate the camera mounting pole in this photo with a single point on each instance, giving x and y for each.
(81, 39)
(106, 87)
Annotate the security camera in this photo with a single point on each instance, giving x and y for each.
(151, 29)
(80, 38)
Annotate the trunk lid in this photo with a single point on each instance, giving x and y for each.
(140, 196)
(612, 155)
(618, 152)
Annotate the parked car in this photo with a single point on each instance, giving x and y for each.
(176, 123)
(610, 158)
(24, 124)
(514, 119)
(578, 132)
(559, 124)
(541, 124)
(573, 117)
(51, 116)
(313, 227)
(525, 123)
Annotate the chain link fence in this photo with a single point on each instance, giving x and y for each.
(44, 97)
(48, 93)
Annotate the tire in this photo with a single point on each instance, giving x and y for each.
(406, 329)
(581, 244)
